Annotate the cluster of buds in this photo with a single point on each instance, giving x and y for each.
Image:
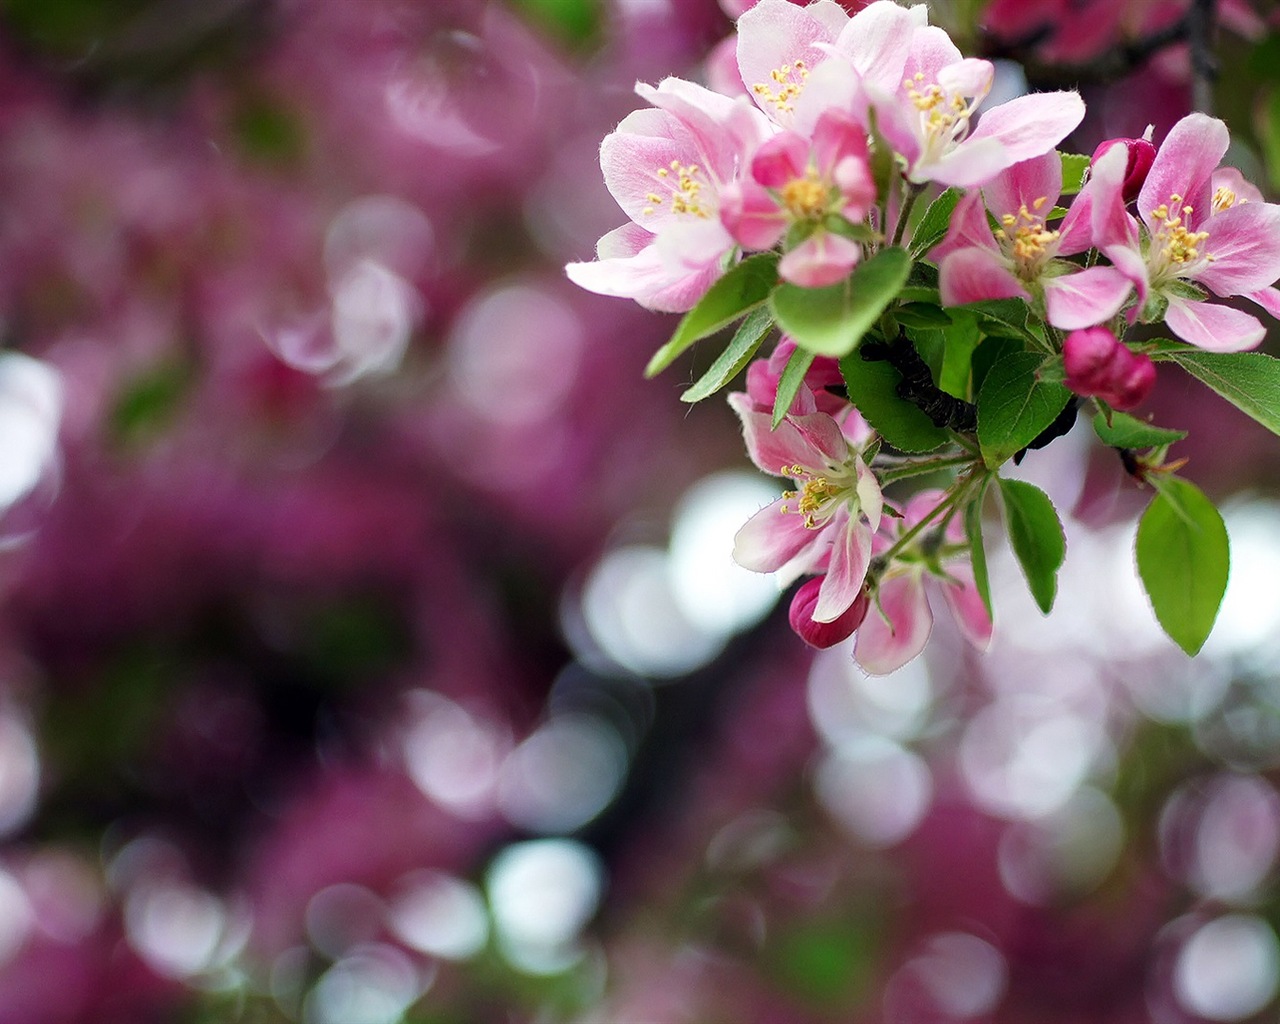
(1099, 365)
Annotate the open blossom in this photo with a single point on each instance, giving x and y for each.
(1199, 231)
(898, 625)
(667, 167)
(799, 184)
(1019, 259)
(826, 525)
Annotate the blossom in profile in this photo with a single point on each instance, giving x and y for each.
(1202, 236)
(823, 526)
(900, 619)
(1019, 259)
(667, 166)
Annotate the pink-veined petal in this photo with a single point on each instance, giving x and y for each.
(847, 570)
(1027, 181)
(809, 441)
(877, 40)
(897, 630)
(1230, 179)
(969, 229)
(775, 34)
(630, 266)
(1184, 166)
(961, 593)
(824, 258)
(631, 156)
(1085, 298)
(931, 51)
(1268, 299)
(1030, 125)
(752, 216)
(1212, 327)
(971, 275)
(772, 538)
(1244, 242)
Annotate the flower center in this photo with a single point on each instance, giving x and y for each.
(818, 497)
(1224, 199)
(685, 184)
(1177, 245)
(945, 116)
(1026, 240)
(805, 198)
(789, 82)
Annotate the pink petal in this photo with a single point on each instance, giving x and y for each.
(961, 593)
(1244, 242)
(822, 259)
(631, 267)
(897, 631)
(971, 275)
(847, 570)
(931, 51)
(838, 137)
(967, 165)
(752, 216)
(877, 40)
(1212, 327)
(1184, 165)
(780, 160)
(806, 441)
(774, 34)
(1039, 178)
(1085, 298)
(1268, 299)
(1030, 125)
(772, 539)
(631, 155)
(968, 77)
(970, 229)
(1233, 181)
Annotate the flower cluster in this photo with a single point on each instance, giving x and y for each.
(793, 198)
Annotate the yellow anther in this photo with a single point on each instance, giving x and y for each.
(790, 78)
(805, 198)
(685, 192)
(1224, 199)
(1039, 203)
(1178, 244)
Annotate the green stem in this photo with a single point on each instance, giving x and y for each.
(923, 466)
(909, 200)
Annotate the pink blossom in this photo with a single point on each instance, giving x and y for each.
(823, 374)
(797, 184)
(899, 624)
(1140, 155)
(825, 525)
(1099, 364)
(1202, 234)
(667, 167)
(824, 634)
(1020, 259)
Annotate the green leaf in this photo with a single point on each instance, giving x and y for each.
(1184, 559)
(1248, 380)
(1014, 407)
(921, 314)
(752, 331)
(934, 224)
(1036, 536)
(1073, 167)
(1125, 431)
(1005, 318)
(790, 381)
(872, 388)
(831, 321)
(957, 361)
(743, 288)
(977, 552)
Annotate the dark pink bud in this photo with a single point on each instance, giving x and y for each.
(1141, 156)
(1132, 386)
(824, 634)
(1090, 358)
(780, 160)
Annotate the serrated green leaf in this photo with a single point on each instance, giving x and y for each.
(921, 314)
(1001, 317)
(742, 288)
(977, 552)
(962, 338)
(1073, 167)
(1248, 380)
(1014, 407)
(920, 293)
(935, 222)
(831, 321)
(746, 340)
(1184, 560)
(872, 388)
(789, 382)
(1126, 431)
(1036, 536)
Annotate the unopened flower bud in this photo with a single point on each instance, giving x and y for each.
(1089, 357)
(824, 634)
(1141, 156)
(1133, 386)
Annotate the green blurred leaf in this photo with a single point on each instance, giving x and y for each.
(1184, 560)
(573, 20)
(789, 382)
(977, 552)
(1248, 380)
(1125, 431)
(1014, 407)
(746, 340)
(934, 224)
(962, 339)
(921, 314)
(872, 388)
(1037, 538)
(831, 321)
(1073, 167)
(743, 287)
(149, 401)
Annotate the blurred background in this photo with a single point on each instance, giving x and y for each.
(370, 649)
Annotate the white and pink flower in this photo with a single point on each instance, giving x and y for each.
(667, 167)
(826, 524)
(1200, 230)
(1020, 258)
